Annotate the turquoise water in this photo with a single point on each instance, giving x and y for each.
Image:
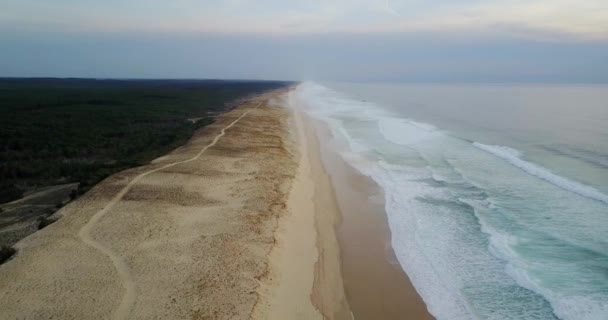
(496, 195)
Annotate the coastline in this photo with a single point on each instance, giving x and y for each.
(356, 274)
(252, 218)
(376, 285)
(304, 279)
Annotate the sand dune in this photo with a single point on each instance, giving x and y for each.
(185, 237)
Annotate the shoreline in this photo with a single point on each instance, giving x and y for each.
(251, 219)
(356, 273)
(304, 278)
(375, 283)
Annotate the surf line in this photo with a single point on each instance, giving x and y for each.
(128, 298)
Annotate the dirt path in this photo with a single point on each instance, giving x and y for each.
(128, 299)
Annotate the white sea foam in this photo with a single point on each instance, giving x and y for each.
(406, 132)
(440, 244)
(401, 189)
(514, 157)
(569, 307)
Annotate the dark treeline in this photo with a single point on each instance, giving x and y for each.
(55, 131)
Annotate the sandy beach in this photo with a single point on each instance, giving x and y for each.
(242, 222)
(374, 282)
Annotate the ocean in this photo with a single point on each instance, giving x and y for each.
(496, 195)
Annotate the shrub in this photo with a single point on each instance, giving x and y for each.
(6, 253)
(44, 222)
(73, 194)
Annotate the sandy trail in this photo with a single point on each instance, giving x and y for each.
(128, 299)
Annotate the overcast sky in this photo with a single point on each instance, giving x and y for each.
(358, 40)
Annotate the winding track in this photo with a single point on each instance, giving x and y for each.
(128, 299)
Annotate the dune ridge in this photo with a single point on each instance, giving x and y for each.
(193, 230)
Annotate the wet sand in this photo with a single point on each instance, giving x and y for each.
(304, 279)
(375, 284)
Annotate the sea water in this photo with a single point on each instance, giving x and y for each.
(496, 195)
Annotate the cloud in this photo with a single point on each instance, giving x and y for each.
(388, 7)
(367, 57)
(582, 19)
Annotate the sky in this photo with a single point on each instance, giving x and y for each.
(331, 40)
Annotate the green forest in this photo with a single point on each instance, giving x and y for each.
(55, 131)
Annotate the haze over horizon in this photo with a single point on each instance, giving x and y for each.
(361, 40)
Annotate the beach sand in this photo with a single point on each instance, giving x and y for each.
(304, 279)
(242, 222)
(357, 275)
(375, 283)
